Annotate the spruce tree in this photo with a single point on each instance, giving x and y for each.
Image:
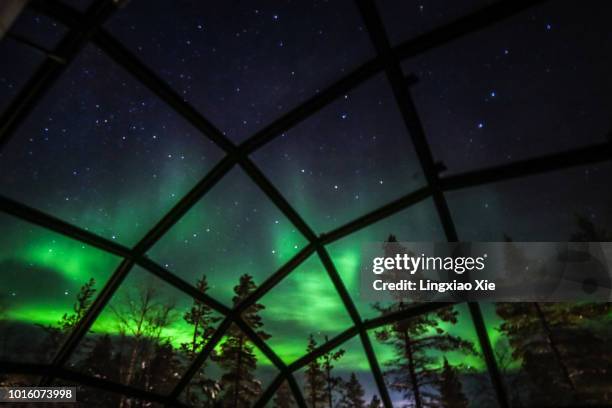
(451, 394)
(562, 354)
(56, 333)
(327, 365)
(375, 402)
(352, 394)
(415, 342)
(83, 300)
(237, 357)
(316, 395)
(203, 321)
(98, 363)
(284, 397)
(164, 369)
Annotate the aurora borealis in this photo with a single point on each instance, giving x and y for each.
(102, 152)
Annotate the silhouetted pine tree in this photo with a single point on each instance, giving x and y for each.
(284, 397)
(203, 320)
(375, 402)
(352, 394)
(451, 394)
(164, 369)
(563, 358)
(56, 333)
(98, 363)
(83, 300)
(316, 395)
(415, 342)
(331, 381)
(237, 357)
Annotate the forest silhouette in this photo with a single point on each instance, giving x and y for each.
(550, 354)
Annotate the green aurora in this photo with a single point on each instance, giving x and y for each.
(303, 303)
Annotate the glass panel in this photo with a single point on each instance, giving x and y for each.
(19, 59)
(548, 207)
(236, 375)
(304, 303)
(18, 64)
(243, 64)
(146, 336)
(38, 29)
(340, 378)
(350, 158)
(406, 19)
(434, 357)
(235, 229)
(41, 275)
(417, 223)
(102, 152)
(553, 354)
(507, 97)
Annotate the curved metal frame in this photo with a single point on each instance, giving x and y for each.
(87, 27)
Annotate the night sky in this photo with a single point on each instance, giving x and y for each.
(102, 152)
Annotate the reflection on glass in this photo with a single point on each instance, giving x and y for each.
(535, 208)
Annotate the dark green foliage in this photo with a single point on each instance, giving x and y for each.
(316, 395)
(563, 348)
(331, 382)
(451, 394)
(416, 341)
(352, 394)
(284, 397)
(237, 358)
(83, 301)
(203, 320)
(99, 363)
(375, 402)
(56, 333)
(164, 368)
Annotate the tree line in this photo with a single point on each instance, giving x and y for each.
(550, 354)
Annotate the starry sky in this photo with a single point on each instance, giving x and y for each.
(102, 152)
